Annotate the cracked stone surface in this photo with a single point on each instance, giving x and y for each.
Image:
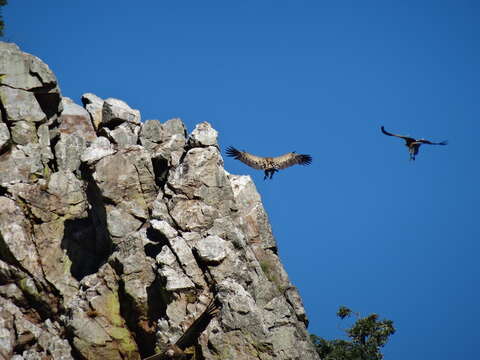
(21, 105)
(94, 105)
(4, 137)
(116, 234)
(117, 111)
(74, 119)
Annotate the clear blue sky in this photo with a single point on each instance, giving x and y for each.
(362, 226)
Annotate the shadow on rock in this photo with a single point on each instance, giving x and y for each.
(83, 247)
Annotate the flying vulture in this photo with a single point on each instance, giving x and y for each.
(177, 351)
(270, 165)
(414, 144)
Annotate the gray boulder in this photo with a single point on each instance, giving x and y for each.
(94, 105)
(97, 150)
(21, 164)
(4, 137)
(166, 141)
(24, 132)
(21, 105)
(27, 76)
(30, 98)
(74, 119)
(212, 249)
(115, 111)
(124, 135)
(203, 135)
(68, 151)
(23, 71)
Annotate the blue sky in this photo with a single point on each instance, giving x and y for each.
(362, 226)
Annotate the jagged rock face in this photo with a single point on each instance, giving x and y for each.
(115, 234)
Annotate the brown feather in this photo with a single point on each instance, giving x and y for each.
(290, 159)
(251, 160)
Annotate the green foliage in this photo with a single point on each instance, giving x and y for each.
(2, 24)
(367, 336)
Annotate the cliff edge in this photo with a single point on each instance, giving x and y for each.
(115, 234)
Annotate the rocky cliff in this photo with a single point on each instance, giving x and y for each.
(115, 234)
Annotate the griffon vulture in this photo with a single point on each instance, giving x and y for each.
(270, 165)
(177, 351)
(413, 144)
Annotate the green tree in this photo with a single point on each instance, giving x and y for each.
(2, 24)
(367, 336)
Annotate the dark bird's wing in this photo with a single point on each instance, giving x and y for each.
(286, 160)
(176, 351)
(170, 353)
(400, 136)
(423, 141)
(199, 325)
(256, 162)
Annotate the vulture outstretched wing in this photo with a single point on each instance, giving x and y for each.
(251, 160)
(408, 138)
(198, 326)
(423, 141)
(287, 160)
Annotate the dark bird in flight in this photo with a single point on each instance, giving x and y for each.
(413, 144)
(270, 165)
(177, 351)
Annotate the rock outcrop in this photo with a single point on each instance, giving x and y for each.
(116, 234)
